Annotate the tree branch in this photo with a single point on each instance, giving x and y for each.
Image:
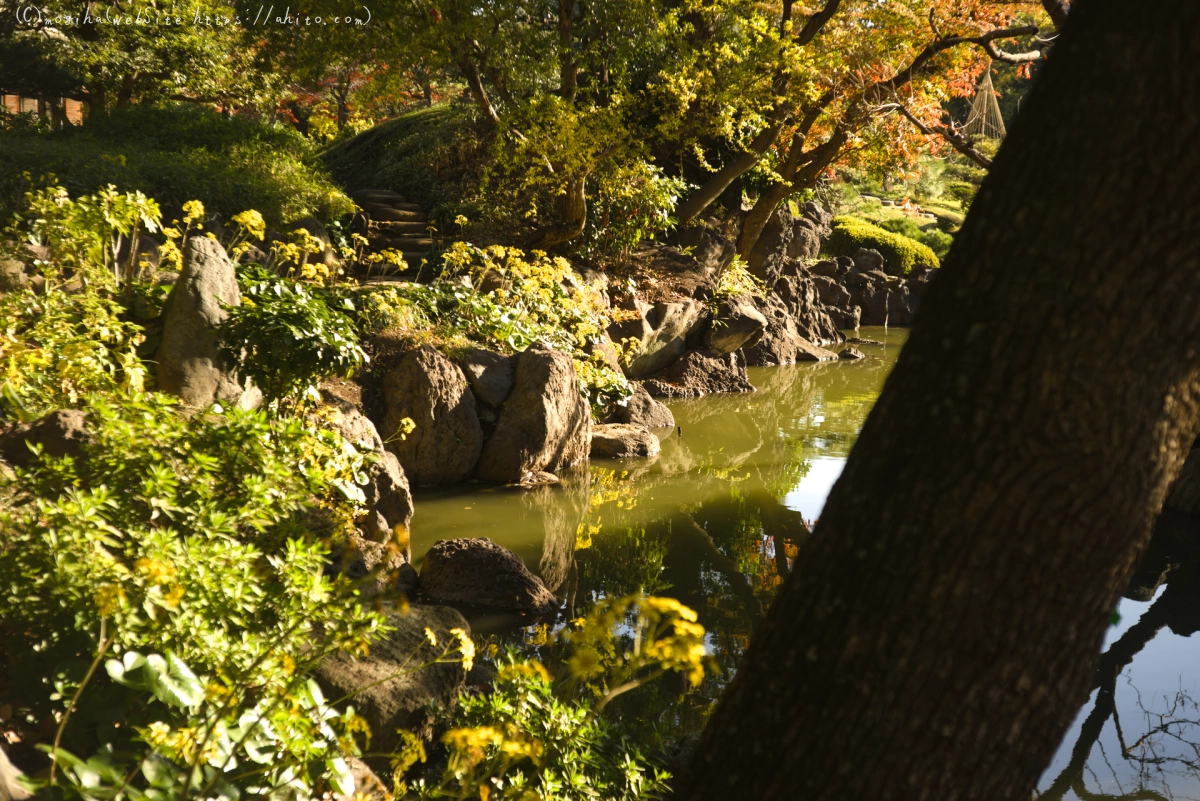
(949, 132)
(816, 22)
(983, 40)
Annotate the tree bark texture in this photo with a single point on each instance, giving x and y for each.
(940, 627)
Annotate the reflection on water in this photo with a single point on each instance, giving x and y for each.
(715, 520)
(1138, 737)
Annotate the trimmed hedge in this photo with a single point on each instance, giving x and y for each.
(176, 154)
(936, 240)
(900, 254)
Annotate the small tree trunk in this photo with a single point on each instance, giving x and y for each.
(940, 628)
(700, 199)
(568, 73)
(125, 95)
(801, 171)
(571, 208)
(470, 71)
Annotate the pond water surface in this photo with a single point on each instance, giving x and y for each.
(716, 520)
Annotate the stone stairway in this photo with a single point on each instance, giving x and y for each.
(392, 223)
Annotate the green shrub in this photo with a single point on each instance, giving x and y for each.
(899, 252)
(174, 155)
(58, 347)
(287, 335)
(936, 240)
(962, 191)
(177, 548)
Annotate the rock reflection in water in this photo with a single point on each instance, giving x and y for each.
(707, 521)
(1129, 745)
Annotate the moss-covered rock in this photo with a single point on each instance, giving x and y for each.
(900, 253)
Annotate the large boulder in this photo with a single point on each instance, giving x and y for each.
(490, 374)
(737, 323)
(770, 252)
(387, 688)
(188, 363)
(12, 275)
(710, 249)
(806, 240)
(429, 389)
(810, 317)
(477, 573)
(623, 441)
(868, 259)
(61, 433)
(631, 320)
(545, 423)
(388, 497)
(671, 322)
(642, 409)
(700, 372)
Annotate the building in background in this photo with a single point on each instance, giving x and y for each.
(59, 110)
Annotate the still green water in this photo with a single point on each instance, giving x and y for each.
(716, 520)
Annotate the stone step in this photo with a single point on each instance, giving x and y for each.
(388, 214)
(397, 228)
(361, 196)
(407, 206)
(410, 243)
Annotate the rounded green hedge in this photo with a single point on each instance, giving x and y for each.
(900, 254)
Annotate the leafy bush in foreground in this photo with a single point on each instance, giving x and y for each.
(899, 252)
(182, 537)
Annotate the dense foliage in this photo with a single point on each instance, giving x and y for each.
(183, 537)
(175, 154)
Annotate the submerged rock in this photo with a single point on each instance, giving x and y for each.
(429, 389)
(545, 423)
(851, 353)
(388, 691)
(478, 573)
(187, 359)
(623, 441)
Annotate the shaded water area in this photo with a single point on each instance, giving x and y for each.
(716, 521)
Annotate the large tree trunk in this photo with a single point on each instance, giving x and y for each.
(940, 628)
